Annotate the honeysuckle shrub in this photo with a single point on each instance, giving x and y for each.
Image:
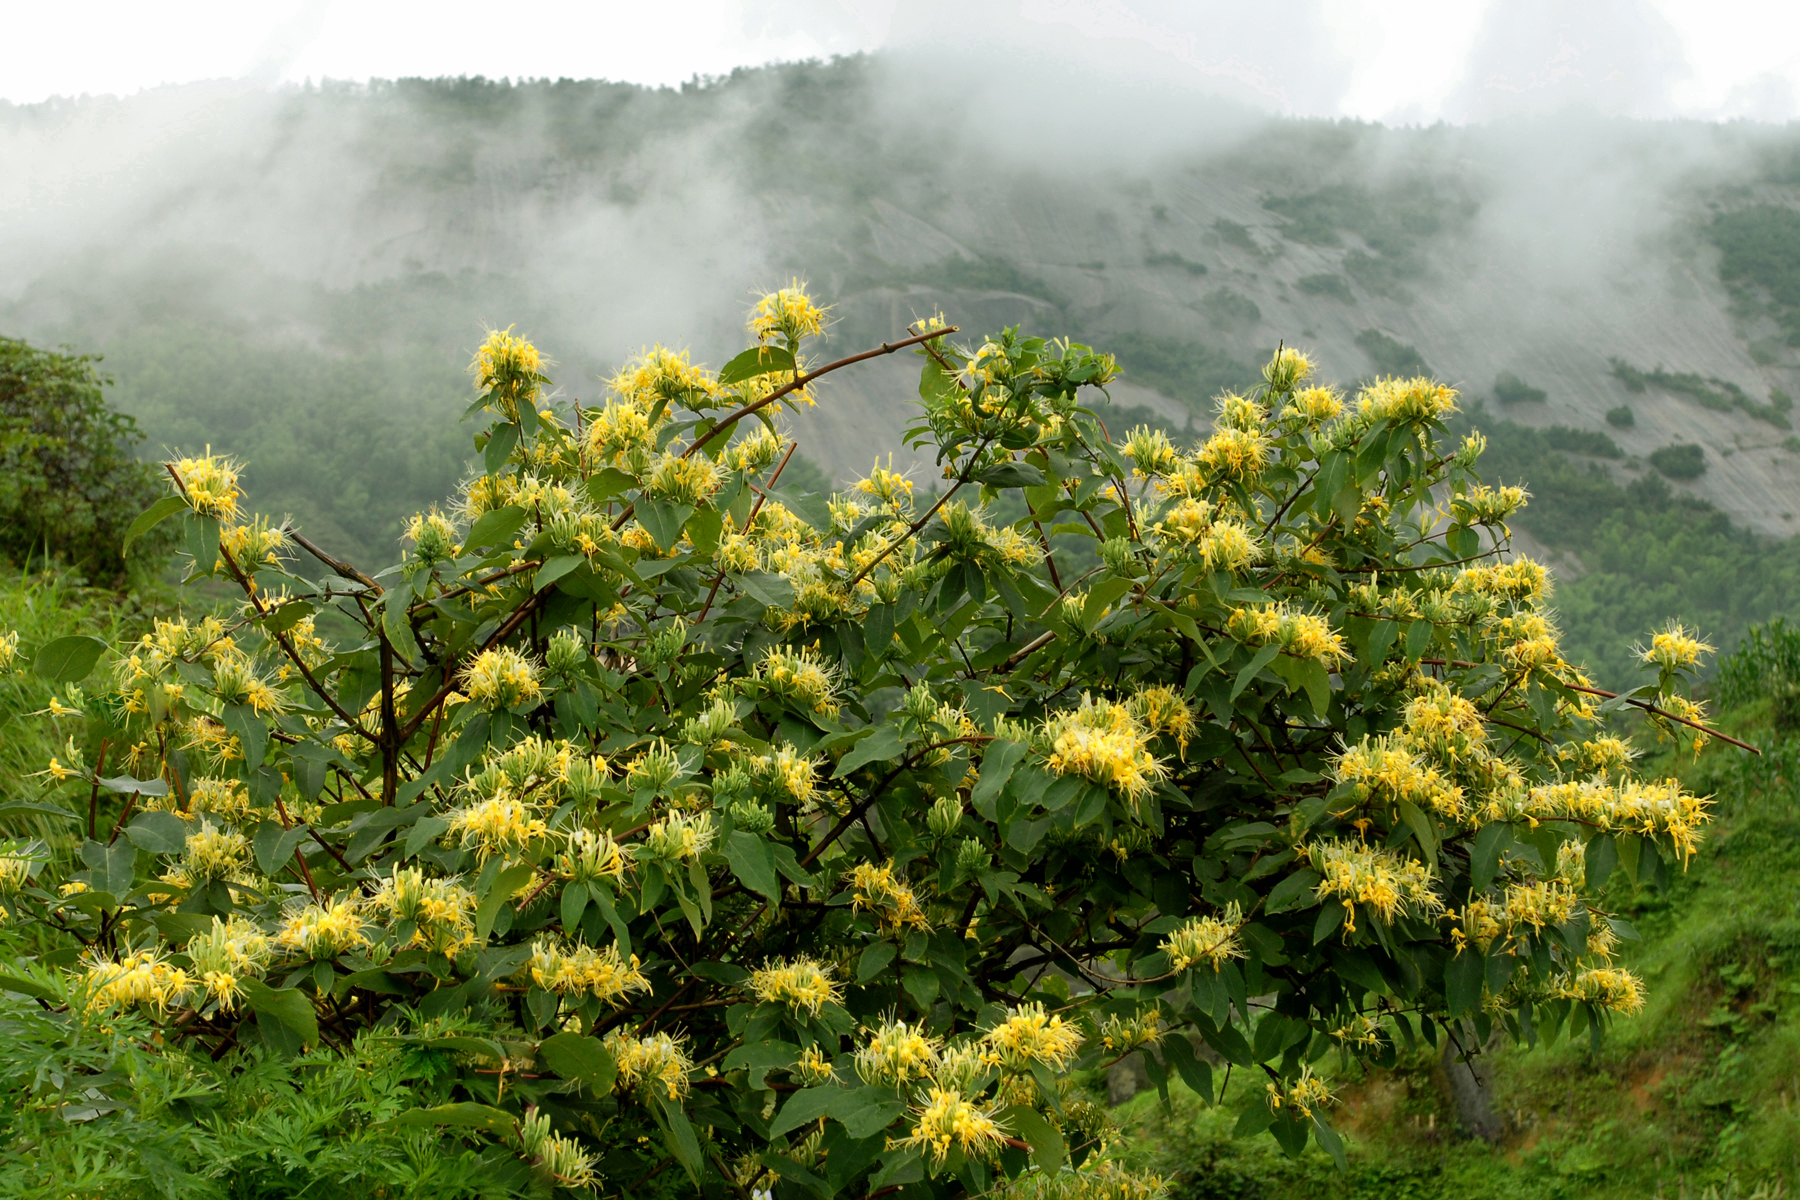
(815, 845)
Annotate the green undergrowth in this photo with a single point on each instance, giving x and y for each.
(39, 607)
(1698, 1096)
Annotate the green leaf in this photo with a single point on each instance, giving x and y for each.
(875, 959)
(1255, 1118)
(501, 442)
(1490, 840)
(1331, 915)
(505, 884)
(1012, 475)
(555, 569)
(111, 869)
(1195, 1071)
(394, 622)
(1046, 1143)
(703, 529)
(663, 520)
(996, 769)
(604, 485)
(682, 1141)
(31, 806)
(426, 830)
(286, 616)
(767, 588)
(757, 360)
(754, 864)
(1317, 682)
(1462, 981)
(1254, 667)
(808, 506)
(68, 659)
(143, 787)
(1296, 891)
(1418, 639)
(150, 518)
(466, 1115)
(576, 1056)
(574, 901)
(884, 744)
(1329, 1139)
(286, 1005)
(921, 984)
(202, 537)
(1602, 857)
(1420, 825)
(495, 527)
(249, 730)
(1462, 541)
(158, 832)
(864, 1112)
(804, 1107)
(11, 981)
(1099, 597)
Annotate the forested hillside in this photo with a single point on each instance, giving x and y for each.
(302, 275)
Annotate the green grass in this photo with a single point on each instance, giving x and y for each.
(40, 607)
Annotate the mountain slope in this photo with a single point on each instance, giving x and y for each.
(298, 275)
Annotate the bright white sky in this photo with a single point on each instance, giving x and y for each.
(1390, 60)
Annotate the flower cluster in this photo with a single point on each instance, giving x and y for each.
(501, 679)
(141, 978)
(1030, 1036)
(509, 369)
(801, 677)
(1384, 771)
(1302, 1095)
(801, 983)
(440, 910)
(559, 1157)
(584, 971)
(880, 890)
(1302, 634)
(1380, 879)
(680, 837)
(324, 931)
(897, 1054)
(228, 953)
(1209, 940)
(945, 1120)
(788, 313)
(657, 1063)
(1407, 401)
(1102, 741)
(591, 856)
(209, 484)
(1119, 1034)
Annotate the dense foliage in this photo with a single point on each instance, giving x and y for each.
(1759, 258)
(69, 481)
(698, 825)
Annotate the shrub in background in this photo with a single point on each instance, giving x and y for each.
(1683, 460)
(69, 484)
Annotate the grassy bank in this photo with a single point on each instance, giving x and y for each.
(1698, 1096)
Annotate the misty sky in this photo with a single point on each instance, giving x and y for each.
(1409, 61)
